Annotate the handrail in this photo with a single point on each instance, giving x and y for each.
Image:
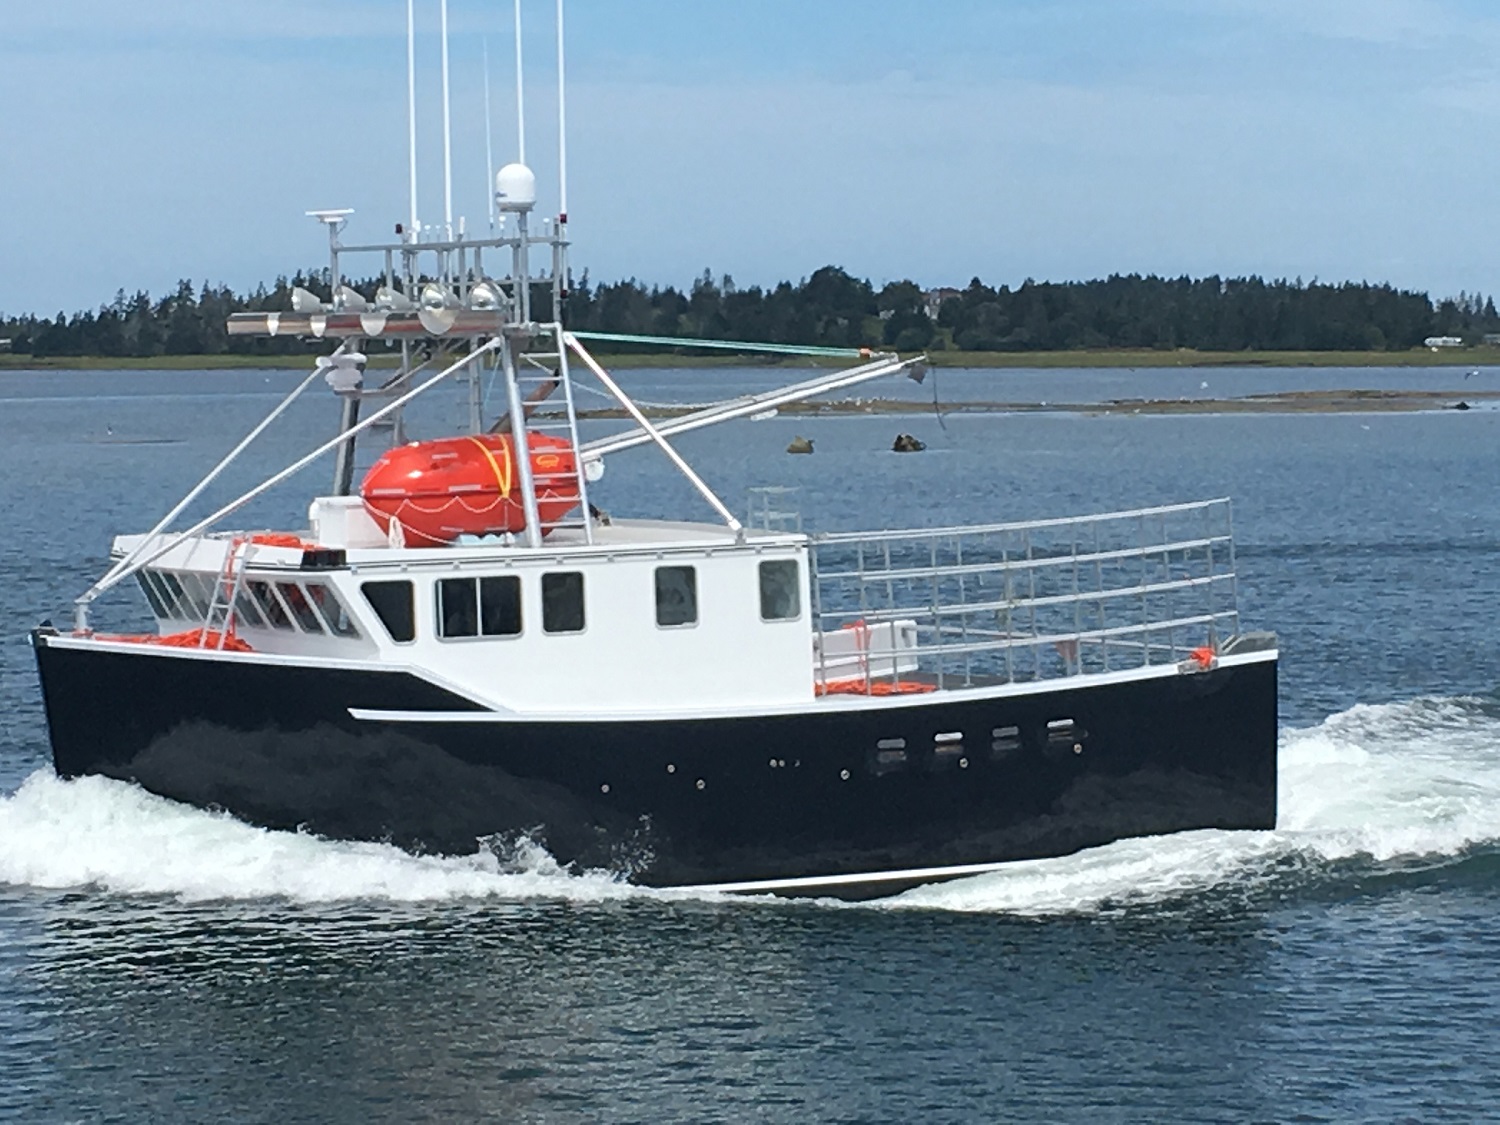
(1027, 640)
(1087, 596)
(1021, 562)
(1102, 590)
(1020, 525)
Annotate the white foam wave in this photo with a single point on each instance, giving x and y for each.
(96, 832)
(1391, 785)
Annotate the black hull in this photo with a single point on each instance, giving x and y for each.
(679, 801)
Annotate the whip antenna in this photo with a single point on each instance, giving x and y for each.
(489, 133)
(447, 131)
(411, 108)
(562, 124)
(520, 95)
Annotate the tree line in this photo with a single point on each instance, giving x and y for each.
(833, 308)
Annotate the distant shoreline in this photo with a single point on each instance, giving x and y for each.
(1285, 402)
(1417, 357)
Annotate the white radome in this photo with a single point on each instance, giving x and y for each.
(515, 188)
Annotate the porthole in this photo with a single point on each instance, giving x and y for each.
(1065, 739)
(1005, 742)
(882, 762)
(947, 749)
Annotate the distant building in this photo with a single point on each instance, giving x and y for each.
(1492, 339)
(933, 300)
(4, 343)
(1435, 342)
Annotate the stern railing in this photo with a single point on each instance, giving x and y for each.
(1008, 602)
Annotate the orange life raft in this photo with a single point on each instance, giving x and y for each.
(439, 490)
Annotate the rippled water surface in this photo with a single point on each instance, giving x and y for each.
(163, 963)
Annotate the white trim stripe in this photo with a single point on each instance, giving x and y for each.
(824, 706)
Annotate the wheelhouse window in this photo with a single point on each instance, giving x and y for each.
(474, 607)
(500, 606)
(270, 605)
(195, 593)
(562, 602)
(246, 613)
(301, 608)
(676, 595)
(154, 593)
(331, 610)
(458, 607)
(176, 599)
(780, 590)
(393, 604)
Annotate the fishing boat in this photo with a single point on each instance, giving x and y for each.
(459, 652)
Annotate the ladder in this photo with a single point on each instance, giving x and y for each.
(219, 620)
(540, 375)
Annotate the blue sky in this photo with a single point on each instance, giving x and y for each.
(1340, 139)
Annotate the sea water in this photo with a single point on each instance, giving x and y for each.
(168, 964)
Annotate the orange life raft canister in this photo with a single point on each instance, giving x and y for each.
(439, 490)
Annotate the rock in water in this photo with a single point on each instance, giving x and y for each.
(800, 445)
(905, 443)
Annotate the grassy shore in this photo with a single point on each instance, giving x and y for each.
(1183, 357)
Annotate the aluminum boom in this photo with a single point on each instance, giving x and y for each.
(751, 404)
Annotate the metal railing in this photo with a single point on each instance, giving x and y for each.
(1010, 602)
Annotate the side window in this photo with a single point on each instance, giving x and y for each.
(500, 606)
(392, 603)
(301, 608)
(676, 595)
(780, 591)
(334, 615)
(458, 607)
(562, 602)
(270, 605)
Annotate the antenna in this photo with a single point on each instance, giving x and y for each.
(520, 95)
(447, 131)
(411, 109)
(489, 133)
(562, 124)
